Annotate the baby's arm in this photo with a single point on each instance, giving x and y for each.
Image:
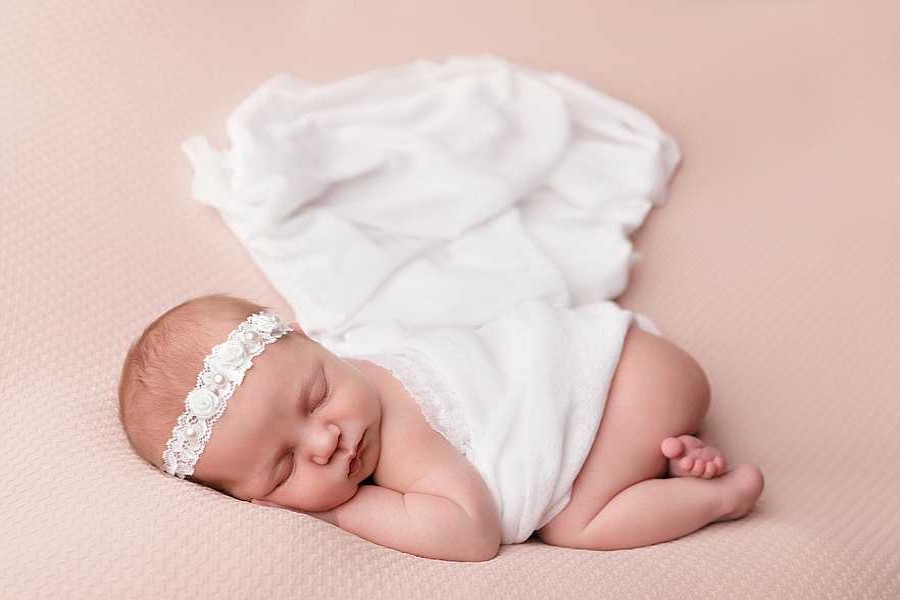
(422, 524)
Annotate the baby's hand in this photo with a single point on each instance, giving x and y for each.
(328, 515)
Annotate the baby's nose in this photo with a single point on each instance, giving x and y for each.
(328, 444)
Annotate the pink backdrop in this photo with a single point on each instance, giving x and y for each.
(775, 263)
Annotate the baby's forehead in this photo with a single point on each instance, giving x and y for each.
(279, 365)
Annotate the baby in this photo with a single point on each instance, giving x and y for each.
(344, 440)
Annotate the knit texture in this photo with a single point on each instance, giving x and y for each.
(775, 264)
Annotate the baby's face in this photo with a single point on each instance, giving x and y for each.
(291, 427)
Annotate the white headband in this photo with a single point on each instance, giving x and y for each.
(223, 370)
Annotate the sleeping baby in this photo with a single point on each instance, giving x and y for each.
(446, 444)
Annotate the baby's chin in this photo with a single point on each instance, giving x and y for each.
(354, 487)
(334, 502)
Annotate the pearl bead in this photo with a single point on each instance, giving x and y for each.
(219, 378)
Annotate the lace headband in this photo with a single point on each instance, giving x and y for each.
(223, 370)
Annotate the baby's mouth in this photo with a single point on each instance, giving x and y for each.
(356, 463)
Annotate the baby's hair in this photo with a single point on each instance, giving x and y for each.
(161, 367)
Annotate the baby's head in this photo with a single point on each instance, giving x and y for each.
(288, 430)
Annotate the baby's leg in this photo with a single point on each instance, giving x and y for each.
(659, 510)
(658, 391)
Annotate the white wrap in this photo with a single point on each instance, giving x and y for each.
(520, 397)
(459, 195)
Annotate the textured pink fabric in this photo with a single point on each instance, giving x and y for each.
(775, 263)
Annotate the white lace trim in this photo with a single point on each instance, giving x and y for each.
(429, 392)
(223, 371)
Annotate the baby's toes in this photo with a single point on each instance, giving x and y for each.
(711, 470)
(672, 447)
(720, 463)
(699, 467)
(687, 463)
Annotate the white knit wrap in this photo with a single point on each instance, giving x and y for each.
(223, 370)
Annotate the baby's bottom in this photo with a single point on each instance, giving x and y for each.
(620, 498)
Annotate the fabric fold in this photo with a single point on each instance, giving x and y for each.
(435, 193)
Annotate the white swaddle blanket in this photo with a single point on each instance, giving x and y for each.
(520, 397)
(451, 197)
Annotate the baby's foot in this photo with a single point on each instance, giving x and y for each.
(691, 457)
(742, 486)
